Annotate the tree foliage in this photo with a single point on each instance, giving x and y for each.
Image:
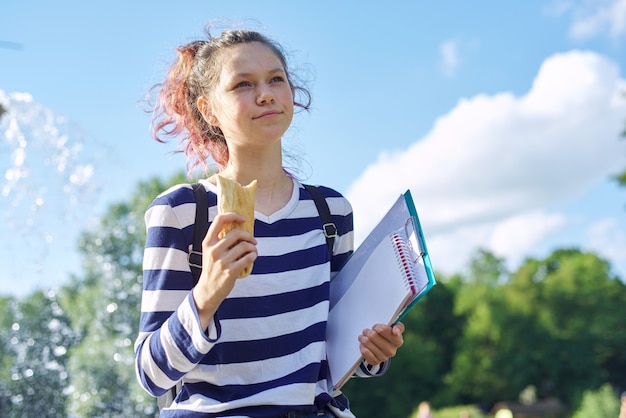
(555, 324)
(601, 403)
(103, 305)
(36, 336)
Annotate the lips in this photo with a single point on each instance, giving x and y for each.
(267, 114)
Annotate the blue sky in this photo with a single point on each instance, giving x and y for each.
(503, 118)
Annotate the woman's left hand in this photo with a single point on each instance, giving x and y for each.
(381, 342)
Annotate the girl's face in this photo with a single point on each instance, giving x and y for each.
(252, 102)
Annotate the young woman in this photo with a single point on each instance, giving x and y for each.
(252, 347)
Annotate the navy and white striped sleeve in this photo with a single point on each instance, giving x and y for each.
(171, 341)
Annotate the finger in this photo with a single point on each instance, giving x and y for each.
(218, 224)
(392, 334)
(231, 251)
(241, 249)
(385, 341)
(375, 344)
(399, 328)
(238, 235)
(243, 262)
(231, 247)
(371, 355)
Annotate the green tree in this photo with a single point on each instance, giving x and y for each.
(601, 403)
(103, 305)
(556, 323)
(474, 376)
(7, 353)
(35, 341)
(581, 306)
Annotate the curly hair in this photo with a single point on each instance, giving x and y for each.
(195, 73)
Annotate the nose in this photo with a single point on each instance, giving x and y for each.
(265, 95)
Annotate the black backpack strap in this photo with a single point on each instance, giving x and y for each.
(165, 400)
(200, 228)
(328, 226)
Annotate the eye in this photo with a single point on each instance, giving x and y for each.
(242, 84)
(277, 79)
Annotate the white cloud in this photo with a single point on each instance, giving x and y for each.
(593, 17)
(494, 165)
(520, 234)
(449, 54)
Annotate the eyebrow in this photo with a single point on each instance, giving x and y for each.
(272, 71)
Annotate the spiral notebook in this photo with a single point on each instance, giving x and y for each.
(382, 280)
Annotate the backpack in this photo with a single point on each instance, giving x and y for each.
(200, 228)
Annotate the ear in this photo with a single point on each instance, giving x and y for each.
(205, 109)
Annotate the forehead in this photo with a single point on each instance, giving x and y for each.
(248, 58)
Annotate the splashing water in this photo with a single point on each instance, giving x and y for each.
(47, 183)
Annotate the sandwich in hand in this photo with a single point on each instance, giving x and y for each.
(233, 197)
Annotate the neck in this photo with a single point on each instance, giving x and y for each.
(247, 163)
(274, 186)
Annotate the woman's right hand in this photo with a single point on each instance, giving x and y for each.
(222, 262)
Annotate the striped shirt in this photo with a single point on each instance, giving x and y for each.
(264, 352)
